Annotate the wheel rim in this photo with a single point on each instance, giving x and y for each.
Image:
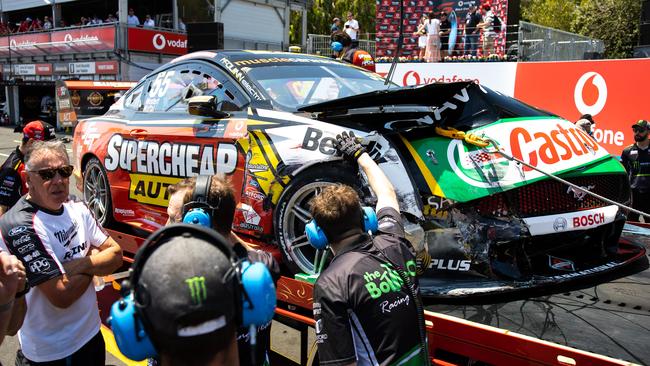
(296, 245)
(96, 192)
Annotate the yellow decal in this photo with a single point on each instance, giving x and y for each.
(263, 156)
(428, 177)
(151, 189)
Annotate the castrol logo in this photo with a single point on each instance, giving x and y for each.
(552, 145)
(593, 87)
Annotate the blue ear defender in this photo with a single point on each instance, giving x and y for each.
(198, 211)
(318, 240)
(336, 46)
(197, 216)
(255, 297)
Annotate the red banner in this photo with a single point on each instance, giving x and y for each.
(43, 69)
(146, 40)
(612, 91)
(106, 67)
(84, 39)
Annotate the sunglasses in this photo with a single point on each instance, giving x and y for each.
(49, 173)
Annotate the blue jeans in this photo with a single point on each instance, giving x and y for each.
(471, 44)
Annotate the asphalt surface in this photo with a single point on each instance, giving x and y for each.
(611, 318)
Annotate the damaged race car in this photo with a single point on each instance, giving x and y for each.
(471, 167)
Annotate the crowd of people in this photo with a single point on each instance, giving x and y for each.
(36, 24)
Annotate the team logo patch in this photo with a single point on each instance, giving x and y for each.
(561, 264)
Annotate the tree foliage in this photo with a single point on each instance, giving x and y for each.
(616, 22)
(558, 14)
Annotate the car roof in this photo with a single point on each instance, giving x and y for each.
(246, 55)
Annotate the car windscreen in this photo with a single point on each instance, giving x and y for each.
(293, 86)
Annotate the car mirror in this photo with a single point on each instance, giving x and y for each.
(206, 106)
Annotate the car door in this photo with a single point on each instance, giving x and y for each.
(162, 143)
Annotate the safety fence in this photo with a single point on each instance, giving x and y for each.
(539, 43)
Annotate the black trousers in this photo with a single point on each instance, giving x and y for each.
(92, 353)
(641, 202)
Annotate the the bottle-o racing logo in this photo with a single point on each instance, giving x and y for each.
(450, 264)
(589, 220)
(169, 159)
(579, 93)
(159, 41)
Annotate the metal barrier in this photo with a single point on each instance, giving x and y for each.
(539, 43)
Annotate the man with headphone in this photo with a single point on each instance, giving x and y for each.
(185, 297)
(210, 201)
(366, 302)
(344, 49)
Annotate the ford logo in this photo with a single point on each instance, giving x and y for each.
(17, 230)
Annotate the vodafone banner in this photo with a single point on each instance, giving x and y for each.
(499, 76)
(614, 92)
(146, 40)
(84, 39)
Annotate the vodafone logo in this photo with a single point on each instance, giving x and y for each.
(585, 88)
(411, 78)
(159, 41)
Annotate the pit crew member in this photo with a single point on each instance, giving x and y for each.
(12, 186)
(53, 237)
(366, 303)
(636, 159)
(344, 49)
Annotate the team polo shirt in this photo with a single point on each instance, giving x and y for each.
(362, 307)
(43, 240)
(11, 183)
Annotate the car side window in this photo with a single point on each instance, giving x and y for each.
(134, 99)
(171, 89)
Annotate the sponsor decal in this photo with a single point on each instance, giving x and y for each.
(450, 264)
(436, 207)
(389, 306)
(314, 140)
(39, 265)
(560, 224)
(560, 264)
(578, 194)
(26, 248)
(254, 194)
(251, 218)
(170, 159)
(239, 75)
(388, 280)
(89, 136)
(273, 60)
(17, 230)
(150, 189)
(67, 234)
(198, 292)
(158, 41)
(601, 268)
(85, 38)
(581, 220)
(124, 212)
(257, 168)
(95, 99)
(75, 250)
(29, 257)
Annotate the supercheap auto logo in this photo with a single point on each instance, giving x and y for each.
(153, 166)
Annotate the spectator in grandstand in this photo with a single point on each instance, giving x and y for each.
(344, 49)
(132, 19)
(445, 29)
(352, 27)
(25, 25)
(421, 33)
(586, 123)
(12, 183)
(12, 294)
(181, 254)
(4, 28)
(432, 53)
(148, 22)
(472, 32)
(351, 323)
(489, 34)
(220, 203)
(47, 24)
(95, 20)
(636, 159)
(63, 23)
(56, 235)
(37, 25)
(110, 18)
(336, 25)
(181, 25)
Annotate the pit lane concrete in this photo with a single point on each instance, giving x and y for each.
(612, 318)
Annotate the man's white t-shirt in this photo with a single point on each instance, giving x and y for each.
(132, 20)
(43, 241)
(351, 28)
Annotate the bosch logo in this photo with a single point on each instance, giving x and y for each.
(411, 78)
(560, 224)
(585, 88)
(17, 230)
(159, 41)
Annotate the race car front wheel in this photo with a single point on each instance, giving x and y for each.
(292, 213)
(97, 192)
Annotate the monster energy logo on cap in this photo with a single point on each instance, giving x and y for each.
(197, 289)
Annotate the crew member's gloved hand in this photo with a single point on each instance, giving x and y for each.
(349, 146)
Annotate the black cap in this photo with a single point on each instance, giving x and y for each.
(188, 291)
(642, 124)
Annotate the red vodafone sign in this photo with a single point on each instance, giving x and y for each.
(146, 40)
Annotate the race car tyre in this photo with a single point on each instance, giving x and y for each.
(97, 192)
(292, 213)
